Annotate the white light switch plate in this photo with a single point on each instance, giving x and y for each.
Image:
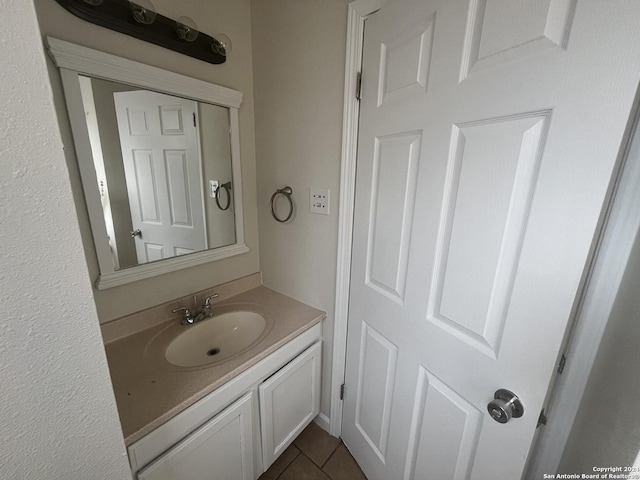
(213, 186)
(319, 200)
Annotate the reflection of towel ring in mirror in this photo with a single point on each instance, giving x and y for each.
(227, 188)
(286, 191)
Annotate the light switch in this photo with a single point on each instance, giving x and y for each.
(213, 186)
(319, 200)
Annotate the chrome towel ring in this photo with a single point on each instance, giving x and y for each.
(227, 188)
(286, 191)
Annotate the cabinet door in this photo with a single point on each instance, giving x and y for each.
(289, 400)
(222, 449)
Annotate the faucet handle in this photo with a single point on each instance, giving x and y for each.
(207, 301)
(188, 316)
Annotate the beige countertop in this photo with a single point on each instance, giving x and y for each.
(149, 391)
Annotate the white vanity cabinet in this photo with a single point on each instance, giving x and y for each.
(238, 430)
(289, 400)
(222, 449)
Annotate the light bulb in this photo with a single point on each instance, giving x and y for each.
(221, 44)
(186, 29)
(143, 11)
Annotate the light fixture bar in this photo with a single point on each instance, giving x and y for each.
(117, 15)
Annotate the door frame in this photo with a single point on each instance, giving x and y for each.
(358, 13)
(619, 223)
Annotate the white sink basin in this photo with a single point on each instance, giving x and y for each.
(216, 339)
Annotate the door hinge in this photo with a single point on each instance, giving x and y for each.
(563, 361)
(358, 85)
(194, 119)
(542, 419)
(342, 392)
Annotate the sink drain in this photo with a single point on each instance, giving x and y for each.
(213, 351)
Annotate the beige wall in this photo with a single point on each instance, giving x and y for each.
(299, 54)
(58, 418)
(215, 145)
(606, 431)
(232, 17)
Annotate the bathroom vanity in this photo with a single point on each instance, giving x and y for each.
(233, 417)
(167, 147)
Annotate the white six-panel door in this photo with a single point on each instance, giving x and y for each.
(162, 166)
(489, 130)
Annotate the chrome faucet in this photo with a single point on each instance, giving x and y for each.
(206, 311)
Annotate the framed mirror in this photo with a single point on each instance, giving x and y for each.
(159, 158)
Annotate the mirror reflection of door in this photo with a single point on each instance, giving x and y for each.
(159, 142)
(157, 159)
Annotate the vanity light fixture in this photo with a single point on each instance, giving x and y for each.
(138, 18)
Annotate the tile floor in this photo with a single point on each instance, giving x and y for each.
(314, 455)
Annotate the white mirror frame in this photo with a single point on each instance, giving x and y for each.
(74, 60)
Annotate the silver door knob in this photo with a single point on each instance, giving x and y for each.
(136, 233)
(505, 405)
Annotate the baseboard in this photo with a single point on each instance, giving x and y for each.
(323, 422)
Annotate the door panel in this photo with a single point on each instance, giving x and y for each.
(444, 432)
(405, 63)
(376, 379)
(492, 169)
(484, 159)
(392, 196)
(138, 122)
(176, 171)
(146, 191)
(154, 252)
(499, 32)
(171, 120)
